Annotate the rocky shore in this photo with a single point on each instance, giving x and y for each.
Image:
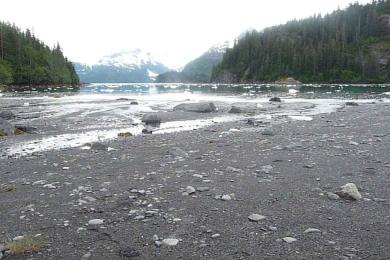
(235, 190)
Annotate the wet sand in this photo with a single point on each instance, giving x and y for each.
(139, 191)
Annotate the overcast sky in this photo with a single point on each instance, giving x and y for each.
(175, 30)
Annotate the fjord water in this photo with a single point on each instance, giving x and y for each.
(98, 112)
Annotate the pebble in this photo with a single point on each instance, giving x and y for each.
(312, 230)
(216, 235)
(256, 217)
(201, 189)
(170, 241)
(332, 196)
(226, 197)
(95, 221)
(190, 190)
(17, 238)
(289, 240)
(87, 255)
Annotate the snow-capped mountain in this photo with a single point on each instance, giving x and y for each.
(219, 47)
(125, 66)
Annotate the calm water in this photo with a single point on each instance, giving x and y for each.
(71, 118)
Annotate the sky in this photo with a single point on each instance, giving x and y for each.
(175, 31)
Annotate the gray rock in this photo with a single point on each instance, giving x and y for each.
(289, 240)
(190, 190)
(133, 103)
(7, 115)
(202, 189)
(351, 103)
(256, 217)
(6, 129)
(95, 221)
(332, 196)
(202, 107)
(312, 230)
(275, 99)
(170, 241)
(268, 133)
(151, 119)
(349, 191)
(226, 197)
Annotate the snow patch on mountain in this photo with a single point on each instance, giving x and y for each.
(130, 59)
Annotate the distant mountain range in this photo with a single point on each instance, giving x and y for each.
(198, 70)
(124, 67)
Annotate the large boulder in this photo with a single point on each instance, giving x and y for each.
(350, 192)
(7, 115)
(6, 129)
(202, 107)
(151, 119)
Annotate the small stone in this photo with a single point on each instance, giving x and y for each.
(190, 190)
(289, 240)
(18, 238)
(349, 191)
(351, 103)
(170, 241)
(312, 230)
(95, 221)
(272, 228)
(353, 143)
(275, 99)
(202, 189)
(256, 217)
(216, 235)
(155, 238)
(332, 196)
(226, 197)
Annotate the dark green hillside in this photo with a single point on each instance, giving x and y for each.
(24, 60)
(351, 45)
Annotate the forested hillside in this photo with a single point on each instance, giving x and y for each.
(198, 70)
(24, 60)
(351, 45)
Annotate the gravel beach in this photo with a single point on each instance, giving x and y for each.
(230, 190)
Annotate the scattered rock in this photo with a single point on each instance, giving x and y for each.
(256, 217)
(216, 235)
(202, 107)
(312, 230)
(125, 134)
(332, 196)
(268, 133)
(190, 190)
(95, 222)
(202, 189)
(275, 99)
(289, 240)
(351, 103)
(170, 241)
(238, 108)
(226, 197)
(18, 238)
(349, 191)
(151, 119)
(133, 103)
(7, 115)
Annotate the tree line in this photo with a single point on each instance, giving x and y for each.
(25, 60)
(351, 45)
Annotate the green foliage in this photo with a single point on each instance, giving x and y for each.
(339, 47)
(5, 73)
(24, 60)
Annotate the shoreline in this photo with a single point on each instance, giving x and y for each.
(138, 190)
